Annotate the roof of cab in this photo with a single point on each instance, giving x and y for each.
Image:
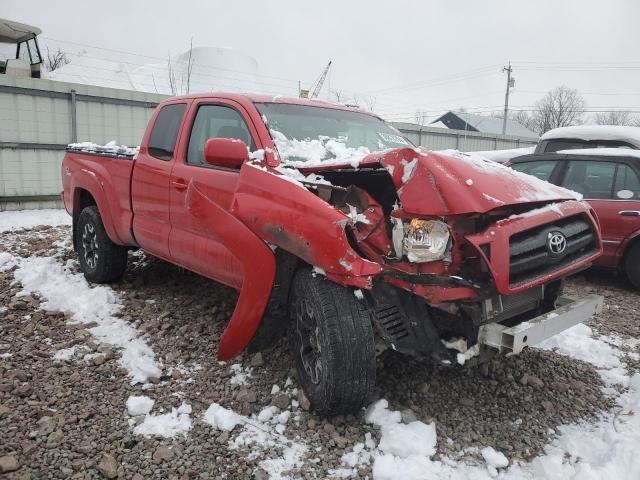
(255, 98)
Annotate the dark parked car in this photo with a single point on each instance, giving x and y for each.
(609, 179)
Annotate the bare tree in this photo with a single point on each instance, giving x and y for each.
(184, 80)
(521, 116)
(560, 107)
(619, 117)
(421, 116)
(337, 96)
(369, 102)
(55, 60)
(189, 69)
(172, 76)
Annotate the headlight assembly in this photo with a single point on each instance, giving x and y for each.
(420, 240)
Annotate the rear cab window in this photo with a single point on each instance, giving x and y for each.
(164, 135)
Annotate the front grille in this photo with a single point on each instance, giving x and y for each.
(530, 257)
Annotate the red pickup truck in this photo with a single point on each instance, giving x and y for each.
(337, 232)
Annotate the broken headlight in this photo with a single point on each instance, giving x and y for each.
(420, 240)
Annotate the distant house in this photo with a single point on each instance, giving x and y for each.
(482, 123)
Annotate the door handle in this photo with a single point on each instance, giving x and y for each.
(179, 184)
(629, 213)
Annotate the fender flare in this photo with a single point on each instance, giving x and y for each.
(258, 262)
(86, 180)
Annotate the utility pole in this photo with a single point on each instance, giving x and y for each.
(510, 83)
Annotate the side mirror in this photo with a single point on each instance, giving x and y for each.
(225, 152)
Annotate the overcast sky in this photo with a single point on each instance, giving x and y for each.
(408, 55)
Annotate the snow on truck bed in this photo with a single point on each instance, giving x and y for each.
(111, 148)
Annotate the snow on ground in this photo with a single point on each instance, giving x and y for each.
(584, 451)
(65, 291)
(175, 422)
(262, 432)
(240, 374)
(16, 220)
(139, 405)
(606, 449)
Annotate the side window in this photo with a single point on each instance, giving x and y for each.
(591, 179)
(541, 170)
(627, 185)
(165, 131)
(215, 121)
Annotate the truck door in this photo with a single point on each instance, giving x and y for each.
(151, 178)
(193, 241)
(613, 190)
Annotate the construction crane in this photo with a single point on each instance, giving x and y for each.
(314, 90)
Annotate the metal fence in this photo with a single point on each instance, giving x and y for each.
(39, 117)
(442, 139)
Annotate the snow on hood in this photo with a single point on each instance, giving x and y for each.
(451, 183)
(596, 132)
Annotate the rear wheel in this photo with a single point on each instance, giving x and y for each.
(632, 265)
(332, 341)
(101, 260)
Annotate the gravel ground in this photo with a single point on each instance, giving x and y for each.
(68, 419)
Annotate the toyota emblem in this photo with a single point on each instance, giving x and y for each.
(556, 243)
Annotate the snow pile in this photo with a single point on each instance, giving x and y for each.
(321, 151)
(111, 148)
(65, 291)
(167, 425)
(16, 220)
(494, 458)
(139, 405)
(221, 418)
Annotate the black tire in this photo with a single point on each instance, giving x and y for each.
(101, 260)
(336, 364)
(632, 265)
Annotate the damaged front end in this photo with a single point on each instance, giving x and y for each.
(447, 234)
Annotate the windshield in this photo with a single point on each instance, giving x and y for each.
(314, 135)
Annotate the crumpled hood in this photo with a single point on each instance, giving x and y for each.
(451, 183)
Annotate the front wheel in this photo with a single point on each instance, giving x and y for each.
(101, 260)
(632, 265)
(332, 341)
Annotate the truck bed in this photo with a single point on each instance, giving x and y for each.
(107, 171)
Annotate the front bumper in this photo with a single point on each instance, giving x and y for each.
(514, 339)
